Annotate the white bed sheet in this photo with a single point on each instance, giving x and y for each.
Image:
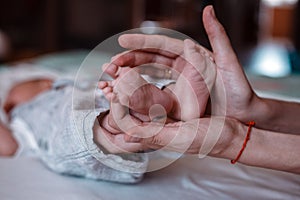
(188, 178)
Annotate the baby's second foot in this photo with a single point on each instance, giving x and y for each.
(132, 91)
(194, 83)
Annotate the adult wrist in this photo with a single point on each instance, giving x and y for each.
(257, 110)
(261, 111)
(230, 140)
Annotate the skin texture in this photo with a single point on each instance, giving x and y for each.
(25, 91)
(191, 90)
(19, 94)
(8, 145)
(235, 104)
(232, 93)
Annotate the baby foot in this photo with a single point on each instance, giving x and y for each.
(194, 84)
(132, 91)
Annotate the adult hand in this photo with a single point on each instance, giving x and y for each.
(232, 95)
(110, 138)
(199, 136)
(223, 138)
(203, 136)
(238, 99)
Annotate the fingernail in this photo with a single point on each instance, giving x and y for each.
(189, 43)
(212, 12)
(101, 84)
(123, 40)
(105, 66)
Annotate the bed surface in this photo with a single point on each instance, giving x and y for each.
(188, 178)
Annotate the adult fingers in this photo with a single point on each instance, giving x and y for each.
(110, 69)
(160, 138)
(177, 136)
(163, 45)
(218, 38)
(115, 143)
(137, 58)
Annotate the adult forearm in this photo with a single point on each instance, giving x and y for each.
(278, 116)
(265, 149)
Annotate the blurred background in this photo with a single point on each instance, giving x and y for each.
(261, 31)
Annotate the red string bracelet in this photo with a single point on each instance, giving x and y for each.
(250, 125)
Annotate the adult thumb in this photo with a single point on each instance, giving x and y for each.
(218, 38)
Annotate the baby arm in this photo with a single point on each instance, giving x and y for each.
(8, 144)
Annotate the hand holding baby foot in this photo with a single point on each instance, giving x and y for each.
(130, 93)
(184, 101)
(134, 92)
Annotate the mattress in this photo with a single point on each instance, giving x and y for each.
(188, 178)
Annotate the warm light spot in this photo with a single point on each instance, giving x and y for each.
(279, 2)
